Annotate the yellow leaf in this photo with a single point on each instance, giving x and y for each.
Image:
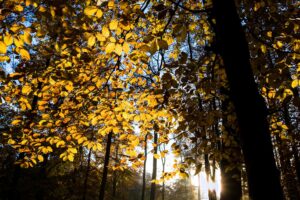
(91, 41)
(99, 147)
(71, 157)
(295, 83)
(16, 122)
(272, 94)
(156, 156)
(269, 33)
(135, 142)
(60, 143)
(4, 58)
(118, 49)
(72, 150)
(33, 161)
(94, 147)
(112, 39)
(18, 42)
(99, 13)
(27, 37)
(183, 175)
(49, 149)
(8, 39)
(24, 54)
(279, 44)
(126, 47)
(105, 32)
(123, 136)
(113, 25)
(2, 47)
(40, 158)
(18, 8)
(90, 145)
(81, 140)
(263, 48)
(284, 127)
(111, 4)
(90, 10)
(26, 89)
(24, 142)
(11, 141)
(42, 9)
(69, 86)
(116, 130)
(68, 138)
(110, 48)
(100, 37)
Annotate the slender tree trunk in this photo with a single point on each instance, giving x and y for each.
(144, 170)
(114, 189)
(211, 195)
(163, 162)
(105, 167)
(250, 107)
(154, 170)
(163, 186)
(86, 175)
(199, 186)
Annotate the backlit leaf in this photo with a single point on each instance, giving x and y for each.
(90, 10)
(105, 32)
(25, 54)
(113, 25)
(91, 41)
(110, 48)
(8, 39)
(118, 49)
(2, 47)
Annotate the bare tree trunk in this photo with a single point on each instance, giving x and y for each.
(154, 170)
(249, 105)
(114, 189)
(163, 162)
(86, 175)
(199, 186)
(105, 167)
(144, 170)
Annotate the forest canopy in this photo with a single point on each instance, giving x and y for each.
(91, 91)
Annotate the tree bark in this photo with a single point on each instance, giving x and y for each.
(86, 178)
(250, 107)
(231, 179)
(114, 189)
(231, 182)
(105, 167)
(154, 170)
(144, 170)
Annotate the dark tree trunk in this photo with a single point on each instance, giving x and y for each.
(163, 162)
(154, 170)
(250, 107)
(231, 182)
(144, 170)
(105, 167)
(231, 179)
(114, 188)
(209, 177)
(40, 194)
(86, 178)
